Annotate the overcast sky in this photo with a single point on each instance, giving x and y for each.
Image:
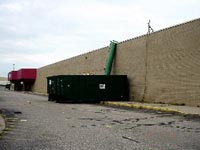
(34, 33)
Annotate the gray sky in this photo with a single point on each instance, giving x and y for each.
(34, 33)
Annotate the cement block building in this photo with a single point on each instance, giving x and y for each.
(162, 67)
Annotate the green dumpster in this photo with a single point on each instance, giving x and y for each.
(87, 88)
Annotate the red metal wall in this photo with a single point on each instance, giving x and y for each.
(26, 74)
(22, 74)
(12, 75)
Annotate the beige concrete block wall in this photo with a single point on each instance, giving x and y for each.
(162, 67)
(89, 63)
(130, 60)
(173, 74)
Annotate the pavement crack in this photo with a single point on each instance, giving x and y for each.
(85, 118)
(117, 121)
(17, 112)
(129, 138)
(138, 125)
(84, 126)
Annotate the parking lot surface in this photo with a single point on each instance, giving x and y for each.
(33, 123)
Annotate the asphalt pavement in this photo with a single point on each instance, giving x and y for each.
(33, 123)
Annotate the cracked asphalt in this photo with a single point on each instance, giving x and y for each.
(33, 123)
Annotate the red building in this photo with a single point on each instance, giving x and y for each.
(23, 79)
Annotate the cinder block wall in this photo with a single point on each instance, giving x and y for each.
(162, 67)
(89, 63)
(173, 70)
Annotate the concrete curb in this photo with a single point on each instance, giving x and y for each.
(148, 107)
(36, 93)
(2, 124)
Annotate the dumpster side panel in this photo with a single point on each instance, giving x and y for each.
(86, 88)
(71, 88)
